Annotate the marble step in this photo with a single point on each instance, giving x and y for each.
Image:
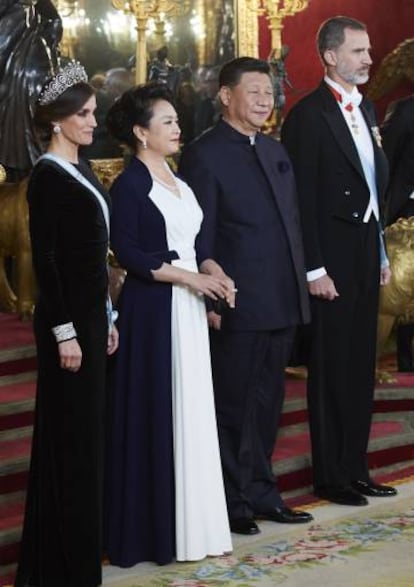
(391, 434)
(17, 346)
(391, 441)
(17, 400)
(17, 360)
(391, 430)
(17, 394)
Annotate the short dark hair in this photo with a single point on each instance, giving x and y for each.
(71, 101)
(331, 33)
(231, 72)
(135, 107)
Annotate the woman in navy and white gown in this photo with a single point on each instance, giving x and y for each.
(165, 494)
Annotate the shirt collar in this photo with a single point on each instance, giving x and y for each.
(354, 97)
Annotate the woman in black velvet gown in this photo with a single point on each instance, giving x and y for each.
(61, 543)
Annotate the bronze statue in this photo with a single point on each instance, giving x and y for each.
(30, 32)
(15, 242)
(280, 81)
(396, 67)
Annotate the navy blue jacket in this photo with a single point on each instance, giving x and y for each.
(251, 224)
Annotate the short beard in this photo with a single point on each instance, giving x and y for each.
(360, 78)
(354, 79)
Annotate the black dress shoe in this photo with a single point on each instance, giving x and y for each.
(244, 526)
(285, 515)
(341, 495)
(373, 489)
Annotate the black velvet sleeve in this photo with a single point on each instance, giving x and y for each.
(46, 207)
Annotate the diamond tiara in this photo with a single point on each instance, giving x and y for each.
(72, 74)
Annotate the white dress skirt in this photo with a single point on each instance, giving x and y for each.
(202, 526)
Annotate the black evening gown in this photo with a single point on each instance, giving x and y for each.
(61, 543)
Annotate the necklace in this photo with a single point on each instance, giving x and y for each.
(172, 187)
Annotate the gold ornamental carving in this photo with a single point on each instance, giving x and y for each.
(3, 174)
(247, 30)
(395, 68)
(143, 10)
(107, 170)
(275, 12)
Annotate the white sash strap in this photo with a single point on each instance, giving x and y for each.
(71, 169)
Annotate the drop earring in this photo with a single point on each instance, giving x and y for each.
(144, 144)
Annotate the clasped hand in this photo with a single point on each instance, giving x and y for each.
(213, 287)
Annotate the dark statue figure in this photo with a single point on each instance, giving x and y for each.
(226, 43)
(280, 81)
(30, 31)
(161, 69)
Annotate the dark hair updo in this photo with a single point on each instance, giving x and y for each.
(71, 101)
(135, 107)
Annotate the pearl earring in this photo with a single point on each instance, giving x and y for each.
(57, 129)
(144, 144)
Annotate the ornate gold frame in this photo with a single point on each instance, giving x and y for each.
(247, 30)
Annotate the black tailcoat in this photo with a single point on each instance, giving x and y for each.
(333, 197)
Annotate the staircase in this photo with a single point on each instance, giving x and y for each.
(17, 398)
(392, 434)
(391, 445)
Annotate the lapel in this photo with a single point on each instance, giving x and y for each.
(339, 128)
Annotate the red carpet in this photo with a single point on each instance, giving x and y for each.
(17, 351)
(14, 332)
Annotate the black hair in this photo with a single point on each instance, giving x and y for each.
(331, 33)
(135, 107)
(231, 72)
(68, 103)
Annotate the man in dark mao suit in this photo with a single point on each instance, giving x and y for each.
(398, 142)
(341, 174)
(244, 183)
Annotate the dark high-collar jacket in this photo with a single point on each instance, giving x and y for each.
(251, 224)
